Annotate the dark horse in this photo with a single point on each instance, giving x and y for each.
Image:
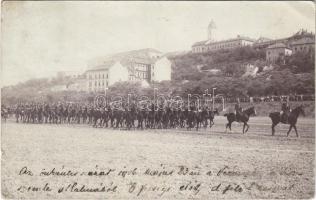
(244, 117)
(292, 119)
(4, 114)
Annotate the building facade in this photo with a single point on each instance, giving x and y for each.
(277, 52)
(146, 65)
(304, 45)
(101, 77)
(299, 38)
(207, 45)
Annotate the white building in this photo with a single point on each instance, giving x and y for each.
(208, 45)
(102, 76)
(161, 70)
(139, 65)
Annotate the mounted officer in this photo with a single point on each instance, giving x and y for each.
(285, 112)
(238, 111)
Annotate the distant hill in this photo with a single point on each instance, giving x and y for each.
(244, 72)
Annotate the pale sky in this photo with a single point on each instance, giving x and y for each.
(41, 38)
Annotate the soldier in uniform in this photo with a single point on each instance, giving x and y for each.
(238, 111)
(285, 111)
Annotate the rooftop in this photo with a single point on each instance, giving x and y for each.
(143, 56)
(200, 43)
(278, 45)
(306, 40)
(104, 66)
(207, 42)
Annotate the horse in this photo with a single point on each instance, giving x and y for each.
(200, 117)
(244, 117)
(140, 114)
(190, 119)
(4, 114)
(292, 119)
(211, 116)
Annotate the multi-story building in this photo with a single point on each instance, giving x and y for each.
(302, 41)
(140, 65)
(277, 51)
(208, 45)
(305, 45)
(300, 36)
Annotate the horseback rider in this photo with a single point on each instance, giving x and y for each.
(285, 111)
(238, 111)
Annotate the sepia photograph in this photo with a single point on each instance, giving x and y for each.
(157, 100)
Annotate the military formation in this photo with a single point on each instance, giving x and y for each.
(109, 116)
(150, 116)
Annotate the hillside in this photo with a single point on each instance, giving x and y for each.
(243, 72)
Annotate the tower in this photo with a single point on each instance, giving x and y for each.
(210, 28)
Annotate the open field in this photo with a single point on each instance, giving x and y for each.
(261, 165)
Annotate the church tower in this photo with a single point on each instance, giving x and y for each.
(210, 29)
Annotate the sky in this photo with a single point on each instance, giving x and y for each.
(42, 38)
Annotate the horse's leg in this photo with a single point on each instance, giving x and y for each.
(289, 130)
(247, 127)
(243, 128)
(272, 127)
(294, 126)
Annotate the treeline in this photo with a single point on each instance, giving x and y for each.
(37, 89)
(277, 83)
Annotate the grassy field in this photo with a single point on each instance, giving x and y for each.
(265, 167)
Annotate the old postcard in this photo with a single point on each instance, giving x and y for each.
(157, 100)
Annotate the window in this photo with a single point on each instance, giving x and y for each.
(95, 83)
(102, 83)
(90, 84)
(103, 76)
(107, 75)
